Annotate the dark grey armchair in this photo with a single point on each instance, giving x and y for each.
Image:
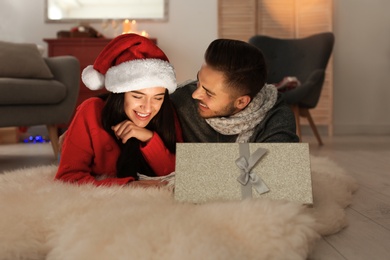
(304, 58)
(50, 102)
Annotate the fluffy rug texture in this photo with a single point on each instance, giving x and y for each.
(45, 219)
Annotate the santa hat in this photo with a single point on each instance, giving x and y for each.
(130, 62)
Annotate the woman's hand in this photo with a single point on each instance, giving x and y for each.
(127, 129)
(148, 183)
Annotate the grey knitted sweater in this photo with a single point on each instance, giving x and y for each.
(278, 126)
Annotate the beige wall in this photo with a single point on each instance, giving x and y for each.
(361, 54)
(362, 66)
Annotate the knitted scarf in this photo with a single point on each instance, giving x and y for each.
(244, 122)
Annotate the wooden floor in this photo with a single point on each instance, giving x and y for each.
(368, 233)
(367, 158)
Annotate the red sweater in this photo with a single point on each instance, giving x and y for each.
(89, 152)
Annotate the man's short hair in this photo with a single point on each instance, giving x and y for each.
(242, 64)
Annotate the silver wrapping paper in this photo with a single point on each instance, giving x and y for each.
(207, 172)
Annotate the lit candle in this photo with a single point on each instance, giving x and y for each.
(126, 26)
(133, 26)
(144, 33)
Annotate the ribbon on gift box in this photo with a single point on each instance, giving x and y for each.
(247, 178)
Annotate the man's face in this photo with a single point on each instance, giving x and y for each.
(213, 98)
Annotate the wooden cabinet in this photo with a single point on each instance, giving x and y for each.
(85, 50)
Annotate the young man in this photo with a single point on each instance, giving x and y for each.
(230, 101)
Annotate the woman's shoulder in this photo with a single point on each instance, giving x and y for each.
(88, 115)
(90, 109)
(91, 103)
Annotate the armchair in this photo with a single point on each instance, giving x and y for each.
(28, 101)
(303, 58)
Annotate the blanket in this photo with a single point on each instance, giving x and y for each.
(45, 219)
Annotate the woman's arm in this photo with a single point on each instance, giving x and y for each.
(160, 159)
(88, 153)
(76, 166)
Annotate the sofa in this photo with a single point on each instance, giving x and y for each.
(37, 90)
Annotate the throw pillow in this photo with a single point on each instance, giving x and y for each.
(287, 83)
(22, 60)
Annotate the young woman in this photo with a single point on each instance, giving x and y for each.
(134, 129)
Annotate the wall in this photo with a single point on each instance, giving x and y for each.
(362, 66)
(361, 53)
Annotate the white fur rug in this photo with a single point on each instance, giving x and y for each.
(44, 219)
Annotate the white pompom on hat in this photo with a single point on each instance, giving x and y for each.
(130, 62)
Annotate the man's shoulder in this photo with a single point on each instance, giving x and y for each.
(183, 91)
(186, 86)
(278, 126)
(281, 104)
(187, 83)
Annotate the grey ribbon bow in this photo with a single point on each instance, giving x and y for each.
(247, 176)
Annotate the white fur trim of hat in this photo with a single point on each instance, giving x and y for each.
(132, 75)
(140, 74)
(130, 62)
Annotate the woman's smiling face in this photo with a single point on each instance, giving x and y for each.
(143, 104)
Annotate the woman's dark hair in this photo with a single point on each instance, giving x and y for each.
(242, 64)
(131, 160)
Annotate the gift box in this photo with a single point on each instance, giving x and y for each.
(235, 171)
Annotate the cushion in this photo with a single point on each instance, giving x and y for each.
(22, 60)
(30, 92)
(287, 83)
